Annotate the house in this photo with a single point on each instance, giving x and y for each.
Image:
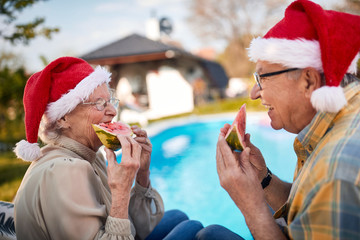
(153, 79)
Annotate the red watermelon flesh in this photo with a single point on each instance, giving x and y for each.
(116, 128)
(107, 132)
(235, 137)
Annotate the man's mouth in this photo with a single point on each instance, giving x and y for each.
(268, 107)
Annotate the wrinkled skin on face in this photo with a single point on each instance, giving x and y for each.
(287, 100)
(77, 124)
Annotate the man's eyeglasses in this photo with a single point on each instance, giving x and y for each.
(101, 103)
(258, 77)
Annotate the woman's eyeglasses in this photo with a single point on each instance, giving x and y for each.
(101, 103)
(258, 77)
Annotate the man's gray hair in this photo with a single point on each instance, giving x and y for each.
(348, 78)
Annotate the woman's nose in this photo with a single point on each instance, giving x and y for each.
(111, 110)
(255, 92)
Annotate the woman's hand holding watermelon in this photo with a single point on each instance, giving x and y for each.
(144, 173)
(122, 175)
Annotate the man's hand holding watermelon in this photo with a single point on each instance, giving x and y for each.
(255, 157)
(237, 140)
(241, 169)
(240, 174)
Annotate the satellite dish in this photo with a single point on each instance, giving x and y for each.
(165, 25)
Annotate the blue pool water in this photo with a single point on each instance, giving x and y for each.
(183, 167)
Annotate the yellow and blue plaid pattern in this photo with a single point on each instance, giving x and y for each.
(324, 201)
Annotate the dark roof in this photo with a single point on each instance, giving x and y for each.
(216, 73)
(129, 46)
(136, 48)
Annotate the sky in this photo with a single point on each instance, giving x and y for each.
(86, 25)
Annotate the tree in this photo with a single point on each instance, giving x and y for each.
(12, 71)
(12, 82)
(235, 59)
(235, 22)
(349, 6)
(21, 33)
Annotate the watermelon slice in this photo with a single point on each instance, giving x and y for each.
(235, 137)
(107, 132)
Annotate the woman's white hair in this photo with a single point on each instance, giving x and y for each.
(49, 131)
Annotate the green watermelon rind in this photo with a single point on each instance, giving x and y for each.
(233, 139)
(108, 139)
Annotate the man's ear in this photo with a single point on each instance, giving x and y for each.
(311, 80)
(63, 122)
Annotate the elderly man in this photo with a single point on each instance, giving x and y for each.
(304, 74)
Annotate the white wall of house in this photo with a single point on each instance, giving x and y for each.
(169, 93)
(237, 87)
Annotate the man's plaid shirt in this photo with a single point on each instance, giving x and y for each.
(324, 201)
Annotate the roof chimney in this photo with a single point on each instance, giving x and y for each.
(153, 27)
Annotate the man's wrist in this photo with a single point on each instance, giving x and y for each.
(267, 179)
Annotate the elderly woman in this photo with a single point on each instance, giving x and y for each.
(68, 192)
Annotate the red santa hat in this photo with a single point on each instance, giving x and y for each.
(54, 92)
(309, 36)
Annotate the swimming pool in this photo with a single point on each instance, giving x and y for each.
(183, 166)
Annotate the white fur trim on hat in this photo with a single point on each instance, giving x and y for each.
(27, 151)
(328, 99)
(298, 53)
(82, 91)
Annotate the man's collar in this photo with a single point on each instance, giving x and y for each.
(310, 136)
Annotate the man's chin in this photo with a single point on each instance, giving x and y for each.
(275, 126)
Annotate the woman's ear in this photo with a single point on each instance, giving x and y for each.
(63, 122)
(311, 79)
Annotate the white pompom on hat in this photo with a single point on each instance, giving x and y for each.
(56, 91)
(309, 36)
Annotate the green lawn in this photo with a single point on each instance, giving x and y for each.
(12, 169)
(222, 106)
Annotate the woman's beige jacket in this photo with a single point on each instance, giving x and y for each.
(65, 195)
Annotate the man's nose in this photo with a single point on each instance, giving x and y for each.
(255, 92)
